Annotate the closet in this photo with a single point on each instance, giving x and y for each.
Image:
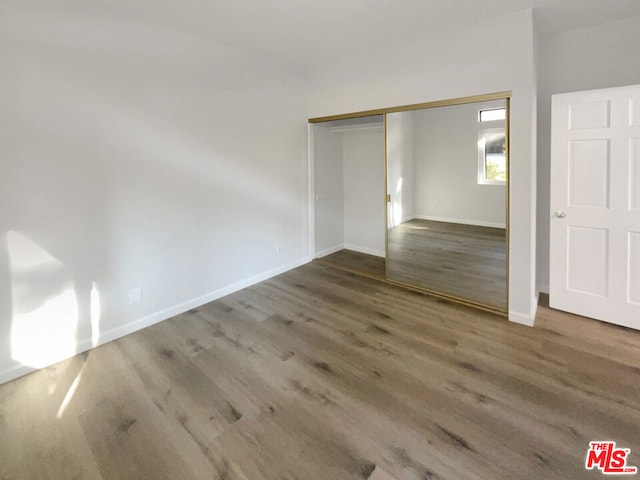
(349, 192)
(417, 196)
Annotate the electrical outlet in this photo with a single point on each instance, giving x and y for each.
(135, 295)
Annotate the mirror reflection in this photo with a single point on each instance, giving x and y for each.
(446, 209)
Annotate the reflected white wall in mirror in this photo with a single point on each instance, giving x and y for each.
(446, 159)
(400, 172)
(446, 219)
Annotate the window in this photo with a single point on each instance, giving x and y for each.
(492, 160)
(492, 115)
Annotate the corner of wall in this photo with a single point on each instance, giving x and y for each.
(527, 319)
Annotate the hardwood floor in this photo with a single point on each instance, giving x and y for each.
(322, 374)
(356, 262)
(463, 261)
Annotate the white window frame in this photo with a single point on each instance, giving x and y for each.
(482, 169)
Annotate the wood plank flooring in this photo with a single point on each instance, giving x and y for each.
(464, 261)
(356, 262)
(322, 374)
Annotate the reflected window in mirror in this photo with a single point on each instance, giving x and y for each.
(492, 160)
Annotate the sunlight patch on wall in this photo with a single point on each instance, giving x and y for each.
(46, 335)
(396, 209)
(44, 305)
(25, 255)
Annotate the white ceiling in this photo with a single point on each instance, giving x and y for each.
(312, 33)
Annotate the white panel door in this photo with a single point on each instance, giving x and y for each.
(595, 204)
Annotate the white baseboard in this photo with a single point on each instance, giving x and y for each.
(329, 251)
(16, 371)
(350, 246)
(544, 289)
(527, 319)
(522, 318)
(367, 250)
(406, 218)
(477, 223)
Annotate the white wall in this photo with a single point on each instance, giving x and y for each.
(417, 72)
(363, 157)
(134, 155)
(329, 190)
(446, 165)
(400, 168)
(348, 187)
(602, 56)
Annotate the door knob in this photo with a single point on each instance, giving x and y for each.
(560, 214)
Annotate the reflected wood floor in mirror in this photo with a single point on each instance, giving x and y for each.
(464, 261)
(321, 374)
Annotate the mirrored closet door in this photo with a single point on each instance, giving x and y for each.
(446, 175)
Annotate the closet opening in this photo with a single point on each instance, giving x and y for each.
(417, 196)
(349, 194)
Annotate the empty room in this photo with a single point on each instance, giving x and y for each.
(319, 240)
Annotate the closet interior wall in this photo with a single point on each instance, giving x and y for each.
(349, 186)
